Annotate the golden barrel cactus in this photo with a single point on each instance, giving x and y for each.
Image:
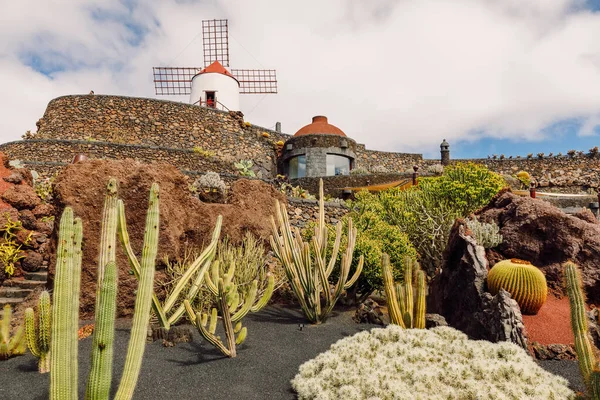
(525, 283)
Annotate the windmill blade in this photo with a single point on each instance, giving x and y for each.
(215, 41)
(173, 80)
(256, 81)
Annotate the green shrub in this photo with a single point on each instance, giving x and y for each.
(427, 212)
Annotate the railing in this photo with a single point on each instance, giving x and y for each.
(211, 104)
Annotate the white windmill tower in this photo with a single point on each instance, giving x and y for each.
(213, 85)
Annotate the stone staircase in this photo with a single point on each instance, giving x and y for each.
(14, 291)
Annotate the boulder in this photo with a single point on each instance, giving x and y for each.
(21, 197)
(434, 320)
(458, 292)
(32, 262)
(536, 231)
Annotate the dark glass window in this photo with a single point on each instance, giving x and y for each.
(297, 167)
(337, 165)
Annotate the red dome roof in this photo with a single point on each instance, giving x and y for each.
(320, 126)
(218, 68)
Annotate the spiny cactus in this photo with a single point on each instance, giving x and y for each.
(307, 268)
(405, 310)
(38, 337)
(63, 369)
(195, 273)
(525, 283)
(487, 235)
(63, 375)
(10, 346)
(231, 307)
(588, 364)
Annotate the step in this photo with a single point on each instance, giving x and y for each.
(37, 276)
(24, 283)
(13, 292)
(10, 300)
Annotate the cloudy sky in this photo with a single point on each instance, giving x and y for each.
(490, 76)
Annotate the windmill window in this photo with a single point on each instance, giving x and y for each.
(211, 100)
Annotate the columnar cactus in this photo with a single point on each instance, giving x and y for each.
(307, 268)
(404, 309)
(231, 307)
(588, 364)
(63, 368)
(525, 283)
(38, 338)
(10, 346)
(63, 376)
(195, 273)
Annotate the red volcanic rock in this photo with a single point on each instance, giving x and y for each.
(540, 233)
(21, 197)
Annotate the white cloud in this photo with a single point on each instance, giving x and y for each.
(394, 74)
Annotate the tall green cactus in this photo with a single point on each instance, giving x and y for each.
(194, 273)
(588, 364)
(231, 308)
(63, 355)
(404, 309)
(99, 380)
(10, 346)
(307, 268)
(63, 375)
(38, 338)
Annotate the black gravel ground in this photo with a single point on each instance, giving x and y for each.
(266, 362)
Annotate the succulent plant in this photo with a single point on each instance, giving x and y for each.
(405, 310)
(231, 307)
(10, 346)
(487, 235)
(65, 309)
(307, 267)
(525, 283)
(38, 337)
(588, 364)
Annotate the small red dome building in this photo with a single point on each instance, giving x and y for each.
(318, 149)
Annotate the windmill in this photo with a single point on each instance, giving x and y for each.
(214, 85)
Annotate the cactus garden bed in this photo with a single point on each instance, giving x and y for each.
(266, 362)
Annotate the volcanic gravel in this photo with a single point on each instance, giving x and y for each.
(276, 346)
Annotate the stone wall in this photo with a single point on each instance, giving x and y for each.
(566, 173)
(303, 211)
(63, 151)
(173, 125)
(386, 161)
(160, 124)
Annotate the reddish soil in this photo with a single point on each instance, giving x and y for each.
(4, 172)
(185, 222)
(552, 324)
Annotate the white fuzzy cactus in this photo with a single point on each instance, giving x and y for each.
(210, 180)
(440, 363)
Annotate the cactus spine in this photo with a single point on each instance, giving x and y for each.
(525, 283)
(404, 309)
(231, 307)
(589, 366)
(38, 340)
(308, 273)
(10, 346)
(195, 272)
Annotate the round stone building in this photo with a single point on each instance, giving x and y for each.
(318, 149)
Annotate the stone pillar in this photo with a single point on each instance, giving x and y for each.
(445, 153)
(278, 127)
